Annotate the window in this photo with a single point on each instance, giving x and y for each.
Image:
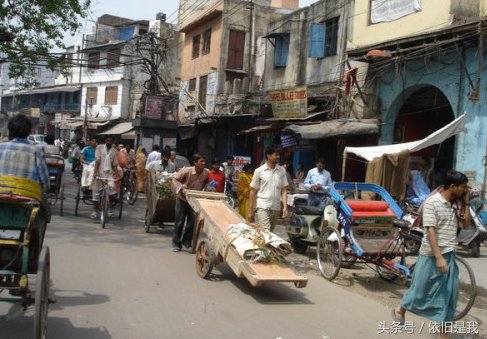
(93, 60)
(202, 91)
(111, 94)
(91, 95)
(281, 50)
(113, 57)
(192, 85)
(236, 46)
(206, 42)
(196, 46)
(323, 39)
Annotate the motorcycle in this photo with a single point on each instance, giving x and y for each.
(303, 228)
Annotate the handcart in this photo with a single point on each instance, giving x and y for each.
(160, 205)
(364, 223)
(214, 246)
(23, 259)
(55, 167)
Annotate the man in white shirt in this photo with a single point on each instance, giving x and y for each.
(267, 190)
(163, 165)
(154, 155)
(318, 180)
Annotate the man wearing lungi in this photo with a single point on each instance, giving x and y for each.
(434, 289)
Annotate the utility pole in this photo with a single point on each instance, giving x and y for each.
(85, 122)
(250, 7)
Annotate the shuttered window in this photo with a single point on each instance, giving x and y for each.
(236, 47)
(323, 39)
(202, 91)
(91, 95)
(94, 60)
(111, 94)
(113, 58)
(206, 42)
(281, 50)
(196, 46)
(316, 47)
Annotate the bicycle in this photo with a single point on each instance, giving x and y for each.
(129, 185)
(104, 202)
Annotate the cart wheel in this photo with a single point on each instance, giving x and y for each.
(147, 221)
(78, 198)
(205, 259)
(61, 197)
(329, 252)
(42, 295)
(104, 201)
(300, 284)
(120, 201)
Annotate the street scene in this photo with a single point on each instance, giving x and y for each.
(243, 169)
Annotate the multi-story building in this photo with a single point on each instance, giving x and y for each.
(425, 67)
(219, 51)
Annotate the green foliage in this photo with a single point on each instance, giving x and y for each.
(30, 29)
(164, 190)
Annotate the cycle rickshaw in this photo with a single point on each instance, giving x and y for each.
(55, 166)
(364, 226)
(23, 259)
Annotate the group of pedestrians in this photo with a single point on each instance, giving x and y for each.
(435, 285)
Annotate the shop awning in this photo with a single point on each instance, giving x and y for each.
(128, 136)
(259, 128)
(336, 128)
(371, 152)
(74, 124)
(120, 128)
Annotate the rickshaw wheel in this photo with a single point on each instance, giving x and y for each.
(205, 259)
(61, 199)
(78, 198)
(42, 295)
(147, 221)
(329, 252)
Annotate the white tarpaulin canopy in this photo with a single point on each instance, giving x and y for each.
(371, 152)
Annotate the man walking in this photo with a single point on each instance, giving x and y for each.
(155, 155)
(317, 181)
(267, 190)
(434, 289)
(192, 178)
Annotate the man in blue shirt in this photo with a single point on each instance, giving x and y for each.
(88, 153)
(317, 181)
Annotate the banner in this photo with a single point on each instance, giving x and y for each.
(239, 162)
(291, 103)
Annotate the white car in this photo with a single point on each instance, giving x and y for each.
(36, 139)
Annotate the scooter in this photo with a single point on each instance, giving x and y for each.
(477, 232)
(304, 226)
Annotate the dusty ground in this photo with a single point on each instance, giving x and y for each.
(364, 280)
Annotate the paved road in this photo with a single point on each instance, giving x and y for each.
(122, 283)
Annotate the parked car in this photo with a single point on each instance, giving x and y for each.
(36, 138)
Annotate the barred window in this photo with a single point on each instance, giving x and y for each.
(91, 95)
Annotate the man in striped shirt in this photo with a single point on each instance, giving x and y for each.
(434, 289)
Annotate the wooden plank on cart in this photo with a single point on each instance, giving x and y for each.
(217, 215)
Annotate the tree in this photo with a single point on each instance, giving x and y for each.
(30, 29)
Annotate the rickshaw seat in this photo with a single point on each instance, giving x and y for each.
(369, 208)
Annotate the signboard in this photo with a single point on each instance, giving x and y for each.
(171, 142)
(288, 140)
(291, 103)
(239, 162)
(153, 107)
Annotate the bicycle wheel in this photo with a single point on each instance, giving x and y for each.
(132, 192)
(231, 201)
(42, 295)
(77, 199)
(329, 252)
(467, 289)
(120, 202)
(104, 201)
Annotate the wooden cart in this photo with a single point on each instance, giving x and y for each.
(213, 215)
(159, 209)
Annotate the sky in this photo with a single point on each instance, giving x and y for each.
(135, 10)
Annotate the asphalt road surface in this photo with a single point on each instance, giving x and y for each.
(122, 283)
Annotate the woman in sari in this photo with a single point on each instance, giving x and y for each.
(140, 159)
(243, 190)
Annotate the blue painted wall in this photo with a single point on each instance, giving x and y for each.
(444, 71)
